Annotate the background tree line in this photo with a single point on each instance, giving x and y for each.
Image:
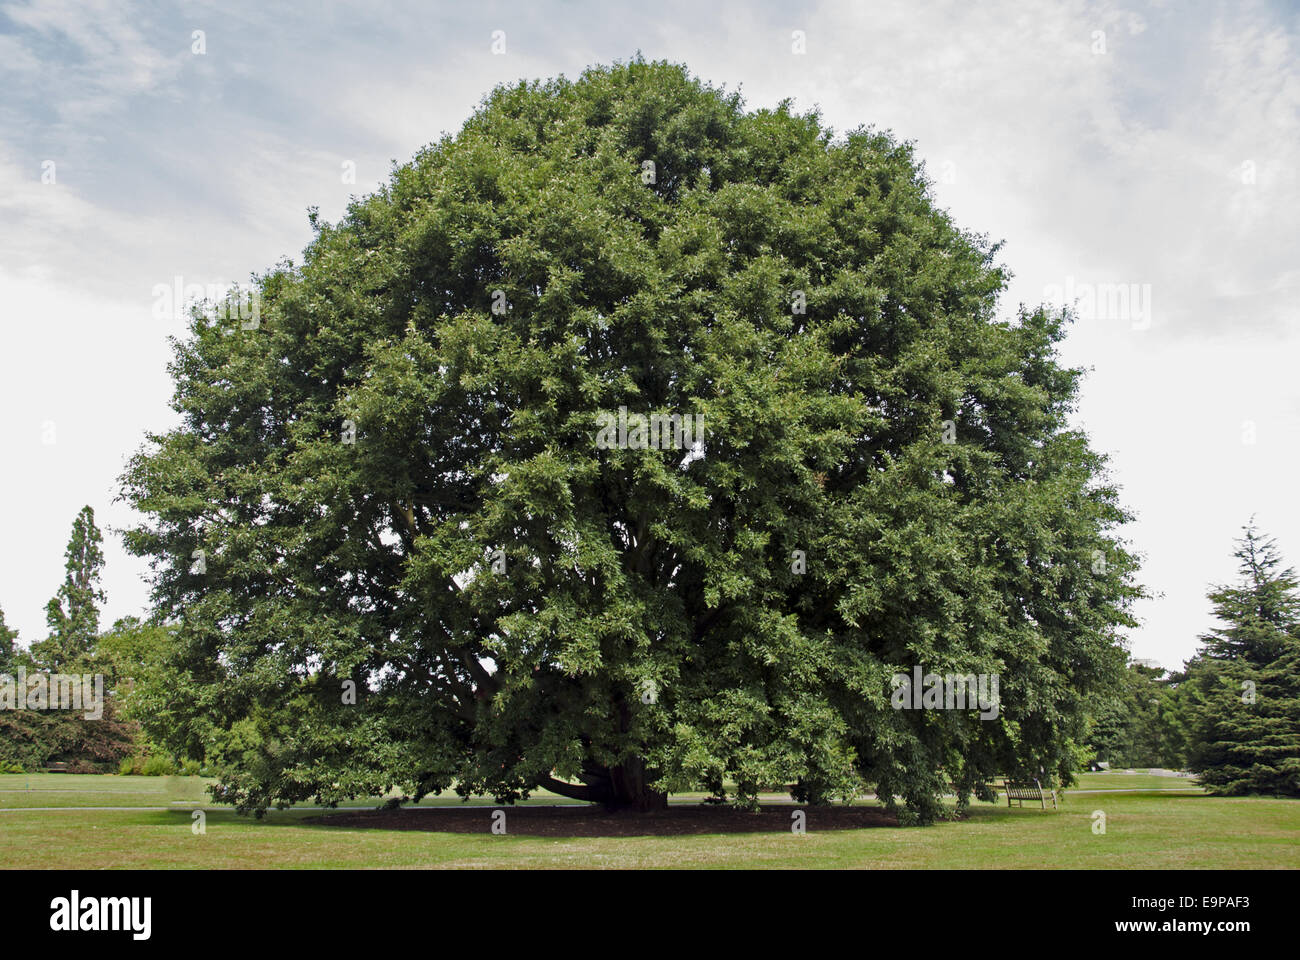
(1232, 714)
(126, 655)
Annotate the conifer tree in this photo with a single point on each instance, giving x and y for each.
(1259, 613)
(72, 614)
(1242, 698)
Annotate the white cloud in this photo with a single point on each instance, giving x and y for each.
(113, 59)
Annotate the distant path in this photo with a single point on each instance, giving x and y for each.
(1141, 790)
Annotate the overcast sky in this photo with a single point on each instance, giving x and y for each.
(1153, 145)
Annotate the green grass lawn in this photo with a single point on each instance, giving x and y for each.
(1159, 826)
(71, 790)
(1140, 780)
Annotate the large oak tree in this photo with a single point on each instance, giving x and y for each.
(394, 478)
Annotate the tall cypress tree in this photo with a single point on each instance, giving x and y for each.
(73, 613)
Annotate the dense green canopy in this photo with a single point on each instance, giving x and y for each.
(395, 481)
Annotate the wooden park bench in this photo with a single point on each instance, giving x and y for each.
(56, 768)
(1023, 790)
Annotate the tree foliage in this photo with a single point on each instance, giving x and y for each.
(1261, 613)
(1242, 697)
(72, 614)
(31, 738)
(1137, 723)
(397, 485)
(7, 638)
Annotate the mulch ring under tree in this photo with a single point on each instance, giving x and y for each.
(596, 821)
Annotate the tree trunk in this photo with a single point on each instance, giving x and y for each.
(624, 787)
(630, 790)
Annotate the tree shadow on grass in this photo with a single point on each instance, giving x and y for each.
(593, 821)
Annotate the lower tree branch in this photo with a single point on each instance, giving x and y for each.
(572, 790)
